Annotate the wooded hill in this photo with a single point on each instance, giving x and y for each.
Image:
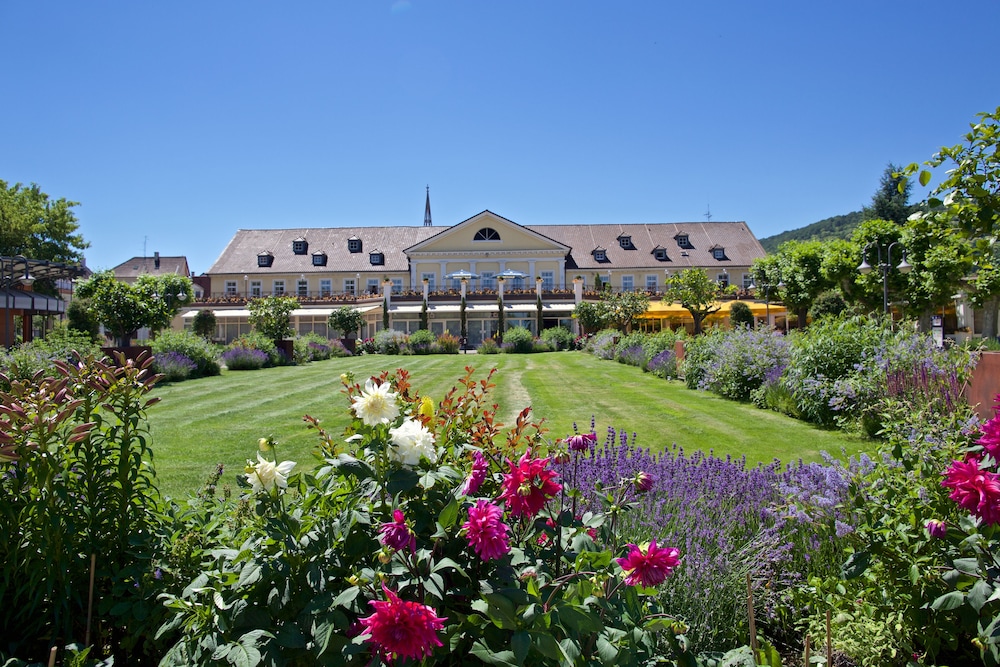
(837, 227)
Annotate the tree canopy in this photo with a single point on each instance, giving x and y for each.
(696, 292)
(39, 227)
(272, 315)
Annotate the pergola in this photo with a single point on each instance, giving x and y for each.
(17, 276)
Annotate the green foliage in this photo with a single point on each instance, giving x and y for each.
(800, 266)
(77, 482)
(389, 341)
(271, 316)
(892, 199)
(591, 315)
(448, 344)
(33, 225)
(518, 340)
(346, 320)
(205, 355)
(164, 295)
(313, 347)
(740, 315)
(421, 342)
(26, 360)
(255, 340)
(827, 304)
(560, 338)
(488, 346)
(204, 324)
(80, 317)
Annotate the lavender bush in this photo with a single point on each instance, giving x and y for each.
(736, 363)
(174, 366)
(731, 520)
(663, 364)
(244, 359)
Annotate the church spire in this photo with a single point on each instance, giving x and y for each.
(427, 209)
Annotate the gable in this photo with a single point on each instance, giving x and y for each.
(484, 233)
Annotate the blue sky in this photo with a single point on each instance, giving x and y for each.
(176, 123)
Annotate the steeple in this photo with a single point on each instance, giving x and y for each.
(427, 209)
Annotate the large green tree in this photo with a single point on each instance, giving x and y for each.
(696, 292)
(165, 294)
(272, 315)
(801, 269)
(39, 227)
(120, 307)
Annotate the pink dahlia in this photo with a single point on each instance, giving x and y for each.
(936, 528)
(396, 534)
(644, 482)
(651, 567)
(486, 531)
(475, 479)
(990, 439)
(529, 485)
(974, 489)
(402, 628)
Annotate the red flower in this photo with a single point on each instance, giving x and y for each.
(529, 485)
(974, 489)
(644, 482)
(396, 534)
(477, 476)
(649, 568)
(402, 628)
(485, 530)
(936, 528)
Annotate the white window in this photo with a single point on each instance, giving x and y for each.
(354, 244)
(719, 253)
(325, 287)
(487, 280)
(486, 234)
(302, 288)
(628, 283)
(397, 285)
(256, 289)
(747, 280)
(683, 241)
(625, 241)
(349, 286)
(660, 254)
(651, 285)
(429, 277)
(548, 280)
(278, 288)
(376, 258)
(600, 255)
(319, 259)
(723, 279)
(373, 285)
(230, 288)
(456, 283)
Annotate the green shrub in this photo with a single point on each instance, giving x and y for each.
(518, 340)
(603, 343)
(27, 359)
(204, 354)
(558, 338)
(313, 347)
(257, 341)
(204, 324)
(421, 342)
(740, 315)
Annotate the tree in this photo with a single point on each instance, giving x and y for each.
(696, 292)
(623, 307)
(892, 200)
(33, 225)
(165, 294)
(118, 306)
(346, 320)
(80, 317)
(968, 198)
(591, 316)
(204, 324)
(272, 315)
(801, 264)
(740, 315)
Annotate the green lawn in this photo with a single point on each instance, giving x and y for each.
(200, 423)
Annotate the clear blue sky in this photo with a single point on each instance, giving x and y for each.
(176, 123)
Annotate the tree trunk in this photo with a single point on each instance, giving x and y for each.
(924, 321)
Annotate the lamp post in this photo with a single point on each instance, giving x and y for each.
(767, 297)
(865, 268)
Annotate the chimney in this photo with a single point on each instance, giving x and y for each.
(156, 261)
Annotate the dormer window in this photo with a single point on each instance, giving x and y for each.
(718, 252)
(683, 241)
(600, 254)
(660, 254)
(300, 246)
(486, 234)
(265, 259)
(319, 258)
(625, 241)
(354, 244)
(376, 258)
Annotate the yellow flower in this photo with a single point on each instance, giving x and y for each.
(427, 407)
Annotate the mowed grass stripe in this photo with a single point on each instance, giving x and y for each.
(203, 422)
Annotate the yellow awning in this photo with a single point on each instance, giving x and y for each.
(659, 309)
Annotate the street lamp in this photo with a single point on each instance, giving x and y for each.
(767, 297)
(865, 268)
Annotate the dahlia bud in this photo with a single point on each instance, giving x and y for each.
(936, 528)
(265, 444)
(644, 482)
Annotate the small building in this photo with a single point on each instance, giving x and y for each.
(25, 313)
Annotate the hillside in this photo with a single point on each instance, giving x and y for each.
(837, 227)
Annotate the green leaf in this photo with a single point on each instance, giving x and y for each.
(346, 597)
(578, 620)
(521, 643)
(966, 565)
(925, 177)
(949, 601)
(501, 611)
(855, 565)
(980, 593)
(449, 515)
(290, 636)
(491, 657)
(546, 644)
(402, 481)
(250, 574)
(606, 651)
(349, 465)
